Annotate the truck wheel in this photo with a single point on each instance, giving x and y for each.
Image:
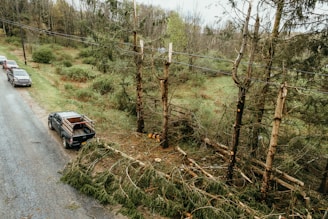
(50, 125)
(64, 142)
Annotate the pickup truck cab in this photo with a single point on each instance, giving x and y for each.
(73, 128)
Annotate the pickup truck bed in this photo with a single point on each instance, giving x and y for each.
(74, 129)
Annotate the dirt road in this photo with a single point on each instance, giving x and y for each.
(30, 161)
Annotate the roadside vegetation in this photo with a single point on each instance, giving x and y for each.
(225, 87)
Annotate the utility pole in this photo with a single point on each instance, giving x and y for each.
(21, 32)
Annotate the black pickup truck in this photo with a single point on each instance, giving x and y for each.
(74, 129)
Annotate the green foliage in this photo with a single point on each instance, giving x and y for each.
(176, 32)
(76, 178)
(122, 101)
(68, 86)
(13, 40)
(84, 94)
(76, 73)
(65, 59)
(67, 63)
(43, 54)
(86, 52)
(103, 85)
(90, 61)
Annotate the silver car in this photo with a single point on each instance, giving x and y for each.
(19, 77)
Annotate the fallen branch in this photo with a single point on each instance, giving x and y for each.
(281, 182)
(223, 150)
(188, 170)
(125, 155)
(240, 204)
(194, 162)
(282, 174)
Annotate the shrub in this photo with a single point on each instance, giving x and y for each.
(67, 63)
(90, 61)
(122, 101)
(84, 53)
(43, 55)
(103, 85)
(68, 87)
(13, 40)
(84, 94)
(76, 74)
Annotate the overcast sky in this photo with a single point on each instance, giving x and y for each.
(208, 9)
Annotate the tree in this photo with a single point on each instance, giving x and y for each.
(138, 59)
(176, 32)
(271, 42)
(193, 37)
(274, 140)
(242, 89)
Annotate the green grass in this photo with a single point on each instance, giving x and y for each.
(54, 93)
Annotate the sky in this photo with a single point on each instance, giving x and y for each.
(208, 9)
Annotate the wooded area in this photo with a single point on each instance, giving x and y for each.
(274, 141)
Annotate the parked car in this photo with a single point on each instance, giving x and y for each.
(9, 64)
(2, 59)
(19, 77)
(74, 129)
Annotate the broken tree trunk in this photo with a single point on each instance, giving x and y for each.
(324, 182)
(273, 140)
(164, 90)
(138, 59)
(268, 66)
(242, 89)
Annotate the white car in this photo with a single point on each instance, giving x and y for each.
(9, 64)
(2, 59)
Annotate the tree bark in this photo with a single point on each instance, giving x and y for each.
(164, 90)
(236, 133)
(269, 59)
(139, 107)
(273, 140)
(324, 182)
(242, 86)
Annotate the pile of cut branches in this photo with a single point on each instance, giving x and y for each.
(186, 191)
(134, 184)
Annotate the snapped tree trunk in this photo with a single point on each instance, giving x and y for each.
(262, 95)
(324, 182)
(236, 133)
(273, 140)
(164, 90)
(139, 107)
(242, 90)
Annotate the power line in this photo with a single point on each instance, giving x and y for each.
(86, 41)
